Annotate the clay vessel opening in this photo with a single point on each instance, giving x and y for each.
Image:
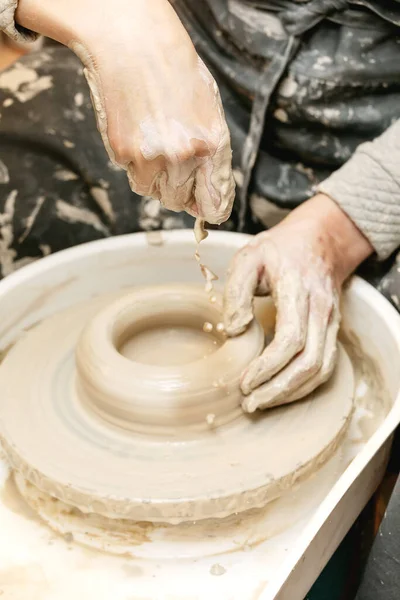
(169, 339)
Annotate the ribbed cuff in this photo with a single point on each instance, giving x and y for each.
(367, 189)
(10, 27)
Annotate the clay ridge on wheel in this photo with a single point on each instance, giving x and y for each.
(61, 448)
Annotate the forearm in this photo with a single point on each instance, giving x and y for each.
(45, 17)
(157, 106)
(358, 207)
(367, 189)
(8, 25)
(322, 217)
(75, 20)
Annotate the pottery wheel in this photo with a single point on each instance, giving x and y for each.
(130, 438)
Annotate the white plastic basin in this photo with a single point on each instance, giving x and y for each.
(296, 534)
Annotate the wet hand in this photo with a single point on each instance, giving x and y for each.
(302, 264)
(157, 106)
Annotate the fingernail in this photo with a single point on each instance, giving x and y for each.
(246, 386)
(250, 404)
(247, 381)
(234, 329)
(236, 323)
(233, 325)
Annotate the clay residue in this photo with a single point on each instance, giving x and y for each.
(372, 398)
(217, 570)
(208, 275)
(238, 532)
(154, 238)
(201, 234)
(12, 499)
(23, 582)
(89, 529)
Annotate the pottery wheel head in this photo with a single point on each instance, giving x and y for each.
(129, 407)
(156, 361)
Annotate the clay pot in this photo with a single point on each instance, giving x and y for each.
(188, 382)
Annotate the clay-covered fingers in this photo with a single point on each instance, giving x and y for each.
(144, 176)
(194, 176)
(292, 304)
(167, 174)
(328, 363)
(311, 367)
(214, 187)
(243, 280)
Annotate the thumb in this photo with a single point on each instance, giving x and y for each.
(239, 290)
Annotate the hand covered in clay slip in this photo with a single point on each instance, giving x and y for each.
(301, 263)
(158, 108)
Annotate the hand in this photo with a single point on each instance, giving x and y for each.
(302, 263)
(158, 108)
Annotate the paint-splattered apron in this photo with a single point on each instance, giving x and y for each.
(303, 83)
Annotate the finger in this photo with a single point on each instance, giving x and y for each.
(304, 366)
(174, 190)
(215, 184)
(166, 180)
(328, 363)
(243, 276)
(213, 192)
(143, 176)
(201, 202)
(292, 304)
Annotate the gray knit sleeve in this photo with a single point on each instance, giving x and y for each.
(367, 189)
(8, 24)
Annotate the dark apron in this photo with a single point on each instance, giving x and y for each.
(303, 84)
